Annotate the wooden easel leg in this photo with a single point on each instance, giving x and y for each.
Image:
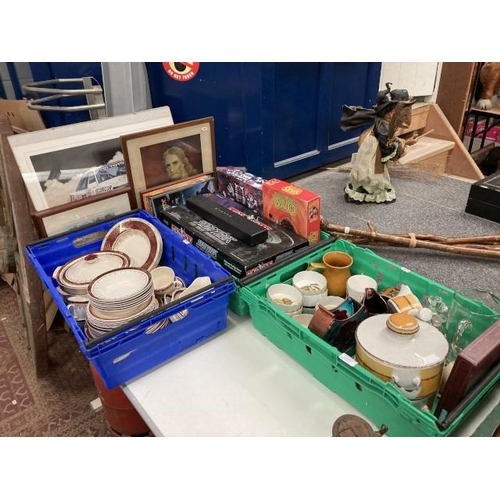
(30, 286)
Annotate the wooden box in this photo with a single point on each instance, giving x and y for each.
(419, 113)
(470, 366)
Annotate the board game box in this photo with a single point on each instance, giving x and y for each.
(241, 186)
(293, 208)
(234, 255)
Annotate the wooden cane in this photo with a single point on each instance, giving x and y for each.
(409, 241)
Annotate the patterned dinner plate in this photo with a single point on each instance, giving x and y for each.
(137, 238)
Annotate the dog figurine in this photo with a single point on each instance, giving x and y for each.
(489, 79)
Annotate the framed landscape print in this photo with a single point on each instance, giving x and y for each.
(63, 165)
(170, 154)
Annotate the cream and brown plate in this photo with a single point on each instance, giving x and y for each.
(75, 276)
(137, 238)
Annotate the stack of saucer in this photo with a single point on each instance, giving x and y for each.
(118, 297)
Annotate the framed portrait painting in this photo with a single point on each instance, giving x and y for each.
(170, 154)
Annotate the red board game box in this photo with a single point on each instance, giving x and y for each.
(293, 208)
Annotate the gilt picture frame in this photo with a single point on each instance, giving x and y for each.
(175, 153)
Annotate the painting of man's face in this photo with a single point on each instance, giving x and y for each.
(175, 167)
(172, 160)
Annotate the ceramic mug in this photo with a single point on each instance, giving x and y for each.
(78, 311)
(336, 269)
(330, 302)
(286, 298)
(163, 280)
(357, 285)
(337, 327)
(406, 301)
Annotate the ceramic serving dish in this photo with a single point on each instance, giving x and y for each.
(404, 350)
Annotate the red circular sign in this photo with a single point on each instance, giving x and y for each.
(181, 71)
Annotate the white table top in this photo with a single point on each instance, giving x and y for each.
(240, 384)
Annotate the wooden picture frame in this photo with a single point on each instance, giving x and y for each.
(176, 193)
(179, 152)
(53, 222)
(53, 161)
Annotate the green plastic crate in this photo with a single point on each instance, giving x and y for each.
(379, 401)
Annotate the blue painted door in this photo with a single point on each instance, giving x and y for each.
(277, 119)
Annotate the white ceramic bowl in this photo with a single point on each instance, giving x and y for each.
(312, 285)
(303, 319)
(330, 302)
(357, 284)
(285, 297)
(163, 279)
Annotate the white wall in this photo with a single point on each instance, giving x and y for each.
(421, 79)
(126, 87)
(23, 75)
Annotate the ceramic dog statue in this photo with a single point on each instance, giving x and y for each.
(489, 78)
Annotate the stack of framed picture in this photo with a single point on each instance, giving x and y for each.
(82, 174)
(170, 164)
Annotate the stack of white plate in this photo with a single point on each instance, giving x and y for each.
(118, 297)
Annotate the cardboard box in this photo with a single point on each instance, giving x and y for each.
(235, 256)
(293, 208)
(241, 186)
(484, 198)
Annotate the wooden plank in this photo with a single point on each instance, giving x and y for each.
(461, 163)
(11, 280)
(455, 91)
(426, 148)
(7, 264)
(51, 309)
(30, 285)
(491, 113)
(436, 163)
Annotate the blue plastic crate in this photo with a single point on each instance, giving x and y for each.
(126, 353)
